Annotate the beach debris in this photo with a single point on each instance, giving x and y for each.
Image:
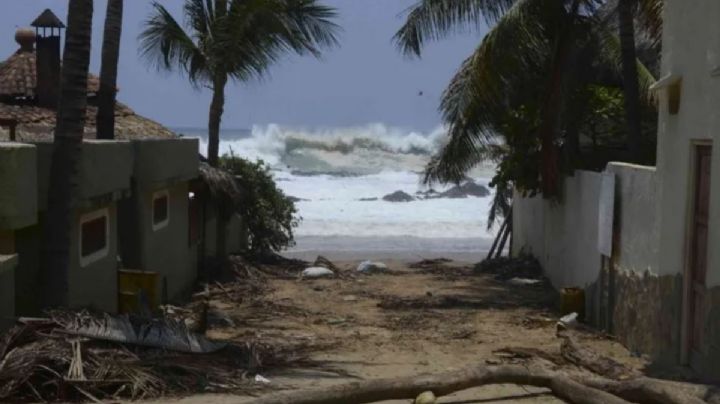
(523, 281)
(367, 267)
(426, 398)
(73, 356)
(321, 261)
(261, 379)
(568, 321)
(398, 196)
(504, 268)
(317, 272)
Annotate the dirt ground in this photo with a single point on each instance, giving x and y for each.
(404, 322)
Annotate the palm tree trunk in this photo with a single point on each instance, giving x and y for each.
(67, 152)
(108, 70)
(216, 110)
(550, 171)
(631, 88)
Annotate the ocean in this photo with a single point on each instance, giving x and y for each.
(331, 169)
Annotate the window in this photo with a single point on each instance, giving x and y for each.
(160, 210)
(94, 236)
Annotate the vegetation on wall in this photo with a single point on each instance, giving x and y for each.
(270, 215)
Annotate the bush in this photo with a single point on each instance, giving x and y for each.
(270, 215)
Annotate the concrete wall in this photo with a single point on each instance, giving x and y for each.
(562, 235)
(632, 300)
(167, 250)
(95, 284)
(691, 51)
(165, 161)
(105, 170)
(7, 290)
(18, 185)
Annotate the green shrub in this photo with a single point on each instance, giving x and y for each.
(270, 215)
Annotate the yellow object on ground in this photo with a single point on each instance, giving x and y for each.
(131, 284)
(572, 300)
(426, 398)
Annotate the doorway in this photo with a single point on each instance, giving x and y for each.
(697, 270)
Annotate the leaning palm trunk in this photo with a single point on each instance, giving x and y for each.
(108, 70)
(217, 107)
(630, 76)
(67, 152)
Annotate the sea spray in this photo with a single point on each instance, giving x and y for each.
(332, 169)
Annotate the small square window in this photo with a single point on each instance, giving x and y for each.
(94, 236)
(160, 210)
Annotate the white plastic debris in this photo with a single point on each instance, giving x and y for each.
(569, 320)
(317, 272)
(261, 379)
(523, 281)
(369, 267)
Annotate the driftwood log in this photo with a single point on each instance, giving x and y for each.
(613, 383)
(446, 383)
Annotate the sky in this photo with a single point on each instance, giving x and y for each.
(364, 80)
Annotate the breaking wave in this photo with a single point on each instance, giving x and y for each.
(360, 150)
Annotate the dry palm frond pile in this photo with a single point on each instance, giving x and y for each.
(83, 356)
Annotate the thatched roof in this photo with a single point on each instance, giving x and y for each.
(36, 123)
(221, 184)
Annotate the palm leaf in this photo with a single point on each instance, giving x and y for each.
(164, 44)
(435, 19)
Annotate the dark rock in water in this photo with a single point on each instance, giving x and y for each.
(469, 188)
(296, 199)
(398, 196)
(367, 199)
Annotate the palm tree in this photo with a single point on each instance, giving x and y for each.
(627, 10)
(67, 151)
(534, 59)
(108, 71)
(234, 40)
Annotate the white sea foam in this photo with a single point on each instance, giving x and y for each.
(331, 169)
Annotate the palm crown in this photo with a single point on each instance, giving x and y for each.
(234, 39)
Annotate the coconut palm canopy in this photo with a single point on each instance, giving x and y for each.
(528, 81)
(234, 39)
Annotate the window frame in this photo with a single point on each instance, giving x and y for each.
(101, 253)
(155, 196)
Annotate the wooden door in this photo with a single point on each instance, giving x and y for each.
(699, 248)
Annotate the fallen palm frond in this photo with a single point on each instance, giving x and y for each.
(82, 356)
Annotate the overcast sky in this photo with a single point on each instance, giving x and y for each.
(365, 80)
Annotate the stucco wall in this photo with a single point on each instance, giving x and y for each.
(105, 170)
(165, 161)
(95, 284)
(691, 50)
(18, 185)
(562, 234)
(167, 250)
(636, 218)
(7, 290)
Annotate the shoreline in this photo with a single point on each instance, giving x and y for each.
(396, 248)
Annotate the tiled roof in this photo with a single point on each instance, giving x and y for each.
(18, 76)
(36, 123)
